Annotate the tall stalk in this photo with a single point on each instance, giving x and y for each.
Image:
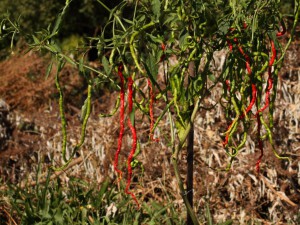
(176, 151)
(190, 155)
(190, 171)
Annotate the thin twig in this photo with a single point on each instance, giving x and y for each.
(281, 195)
(9, 216)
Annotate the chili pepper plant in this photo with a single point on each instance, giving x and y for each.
(133, 46)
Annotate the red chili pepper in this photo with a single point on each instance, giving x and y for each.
(271, 62)
(151, 112)
(227, 135)
(281, 33)
(121, 121)
(229, 44)
(248, 67)
(134, 141)
(228, 41)
(163, 46)
(254, 91)
(247, 58)
(260, 145)
(228, 84)
(163, 56)
(253, 100)
(270, 79)
(249, 71)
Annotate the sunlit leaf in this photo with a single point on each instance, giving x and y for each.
(155, 4)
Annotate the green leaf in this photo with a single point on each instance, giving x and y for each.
(180, 129)
(57, 24)
(60, 18)
(131, 116)
(103, 189)
(59, 216)
(184, 41)
(80, 65)
(228, 222)
(208, 215)
(49, 68)
(69, 60)
(136, 221)
(155, 4)
(172, 18)
(212, 77)
(53, 48)
(155, 39)
(36, 40)
(141, 19)
(152, 70)
(106, 66)
(153, 66)
(128, 21)
(83, 215)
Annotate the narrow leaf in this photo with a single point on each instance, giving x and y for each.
(49, 69)
(208, 215)
(227, 222)
(35, 39)
(80, 65)
(103, 189)
(152, 78)
(106, 66)
(131, 116)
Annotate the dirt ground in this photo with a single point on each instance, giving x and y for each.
(33, 134)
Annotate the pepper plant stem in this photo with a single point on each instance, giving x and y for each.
(190, 152)
(190, 171)
(176, 151)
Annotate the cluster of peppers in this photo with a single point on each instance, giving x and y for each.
(131, 126)
(242, 116)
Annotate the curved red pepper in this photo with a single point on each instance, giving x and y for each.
(151, 111)
(281, 33)
(253, 100)
(163, 56)
(271, 62)
(134, 141)
(121, 121)
(227, 135)
(270, 79)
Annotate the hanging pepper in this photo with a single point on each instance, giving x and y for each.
(134, 139)
(151, 111)
(270, 79)
(121, 121)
